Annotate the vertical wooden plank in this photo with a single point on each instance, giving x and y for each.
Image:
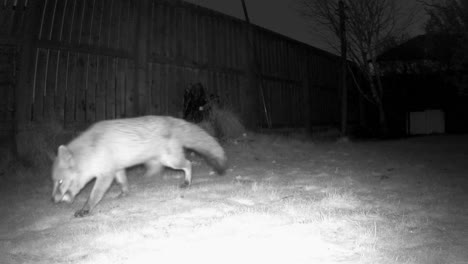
(152, 23)
(5, 84)
(229, 44)
(67, 20)
(165, 24)
(163, 96)
(234, 47)
(284, 60)
(120, 11)
(100, 88)
(70, 92)
(129, 88)
(87, 23)
(114, 25)
(277, 54)
(57, 20)
(217, 43)
(186, 42)
(266, 55)
(202, 39)
(224, 89)
(191, 39)
(195, 22)
(141, 56)
(96, 23)
(111, 88)
(126, 25)
(120, 91)
(47, 20)
(273, 55)
(176, 83)
(158, 91)
(237, 87)
(170, 89)
(158, 27)
(208, 41)
(213, 49)
(6, 18)
(222, 31)
(91, 83)
(181, 80)
(109, 28)
(17, 19)
(103, 36)
(6, 15)
(179, 32)
(51, 85)
(150, 87)
(77, 22)
(133, 24)
(26, 79)
(210, 49)
(39, 84)
(172, 27)
(81, 89)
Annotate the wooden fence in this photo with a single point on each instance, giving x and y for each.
(88, 60)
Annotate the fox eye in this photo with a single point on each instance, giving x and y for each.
(60, 182)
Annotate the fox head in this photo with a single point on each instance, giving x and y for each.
(65, 176)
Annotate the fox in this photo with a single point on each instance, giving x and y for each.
(104, 150)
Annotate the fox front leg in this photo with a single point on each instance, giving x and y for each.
(99, 189)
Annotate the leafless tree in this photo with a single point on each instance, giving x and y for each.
(369, 26)
(448, 20)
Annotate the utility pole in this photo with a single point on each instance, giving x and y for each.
(253, 67)
(246, 14)
(344, 89)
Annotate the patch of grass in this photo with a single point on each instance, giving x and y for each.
(313, 204)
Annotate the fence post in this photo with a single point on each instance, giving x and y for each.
(141, 56)
(252, 100)
(23, 94)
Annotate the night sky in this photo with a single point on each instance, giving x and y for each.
(281, 16)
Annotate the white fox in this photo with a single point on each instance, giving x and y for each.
(108, 147)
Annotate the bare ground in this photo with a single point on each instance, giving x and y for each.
(283, 200)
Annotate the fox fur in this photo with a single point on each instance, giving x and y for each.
(108, 147)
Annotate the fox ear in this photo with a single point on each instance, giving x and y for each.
(65, 155)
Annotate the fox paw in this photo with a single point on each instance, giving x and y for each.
(81, 213)
(184, 185)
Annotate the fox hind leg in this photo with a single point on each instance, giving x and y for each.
(121, 179)
(175, 159)
(100, 187)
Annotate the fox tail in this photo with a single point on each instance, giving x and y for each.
(195, 138)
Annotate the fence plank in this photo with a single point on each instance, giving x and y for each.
(111, 89)
(77, 23)
(51, 84)
(129, 88)
(101, 88)
(91, 86)
(7, 14)
(39, 84)
(58, 20)
(120, 89)
(81, 104)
